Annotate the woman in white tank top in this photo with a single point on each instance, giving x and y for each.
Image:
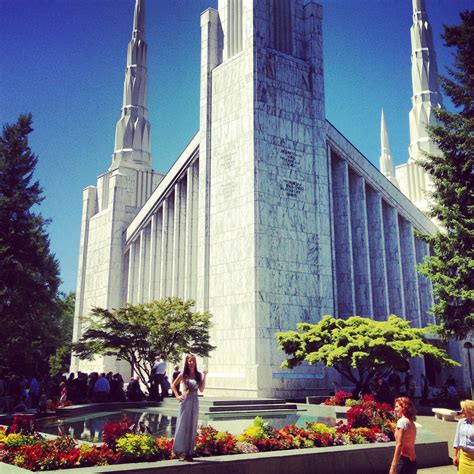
(404, 458)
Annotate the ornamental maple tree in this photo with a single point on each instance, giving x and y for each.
(137, 333)
(358, 347)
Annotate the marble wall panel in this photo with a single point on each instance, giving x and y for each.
(378, 264)
(342, 242)
(393, 259)
(409, 273)
(360, 246)
(155, 254)
(425, 286)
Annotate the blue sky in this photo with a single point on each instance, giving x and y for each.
(63, 61)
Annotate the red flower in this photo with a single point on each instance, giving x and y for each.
(339, 399)
(23, 424)
(210, 442)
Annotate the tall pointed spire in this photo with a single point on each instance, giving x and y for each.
(132, 132)
(386, 162)
(426, 95)
(139, 20)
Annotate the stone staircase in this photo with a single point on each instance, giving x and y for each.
(233, 406)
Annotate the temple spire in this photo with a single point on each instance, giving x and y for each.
(426, 96)
(386, 162)
(132, 132)
(139, 20)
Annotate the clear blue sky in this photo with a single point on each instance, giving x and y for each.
(63, 61)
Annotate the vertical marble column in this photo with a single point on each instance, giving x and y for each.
(393, 260)
(411, 290)
(146, 264)
(175, 256)
(179, 238)
(342, 238)
(234, 28)
(360, 246)
(131, 273)
(155, 254)
(141, 267)
(424, 285)
(194, 233)
(125, 281)
(332, 230)
(190, 232)
(170, 273)
(152, 259)
(409, 273)
(164, 250)
(378, 264)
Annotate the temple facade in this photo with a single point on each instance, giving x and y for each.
(269, 217)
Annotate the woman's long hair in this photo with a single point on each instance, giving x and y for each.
(186, 369)
(408, 409)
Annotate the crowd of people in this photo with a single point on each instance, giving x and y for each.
(19, 393)
(386, 390)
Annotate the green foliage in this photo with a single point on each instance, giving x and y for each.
(358, 347)
(59, 361)
(29, 272)
(451, 266)
(137, 333)
(320, 428)
(136, 447)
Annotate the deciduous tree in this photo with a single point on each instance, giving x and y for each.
(137, 333)
(358, 347)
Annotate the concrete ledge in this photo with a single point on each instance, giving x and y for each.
(103, 406)
(317, 399)
(445, 414)
(354, 459)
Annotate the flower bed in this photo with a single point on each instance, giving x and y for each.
(344, 399)
(339, 399)
(22, 446)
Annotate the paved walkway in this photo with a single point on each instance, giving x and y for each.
(445, 430)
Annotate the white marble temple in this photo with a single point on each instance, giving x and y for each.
(269, 217)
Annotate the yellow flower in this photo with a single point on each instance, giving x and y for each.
(255, 432)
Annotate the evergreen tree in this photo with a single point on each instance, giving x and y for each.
(451, 266)
(29, 272)
(60, 360)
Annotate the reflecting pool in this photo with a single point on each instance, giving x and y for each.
(88, 427)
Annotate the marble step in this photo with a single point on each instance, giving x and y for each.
(242, 401)
(236, 405)
(253, 407)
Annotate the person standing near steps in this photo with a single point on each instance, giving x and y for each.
(404, 457)
(186, 426)
(158, 390)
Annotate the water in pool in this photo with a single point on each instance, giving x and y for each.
(88, 427)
